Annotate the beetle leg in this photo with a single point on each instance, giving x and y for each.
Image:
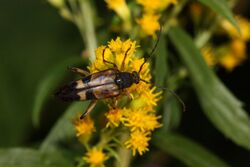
(89, 109)
(79, 71)
(114, 103)
(130, 97)
(126, 54)
(105, 61)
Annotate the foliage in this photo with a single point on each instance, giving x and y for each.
(114, 134)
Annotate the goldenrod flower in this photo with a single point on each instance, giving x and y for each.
(149, 23)
(115, 53)
(244, 25)
(238, 48)
(95, 157)
(84, 128)
(234, 54)
(120, 7)
(155, 5)
(229, 62)
(114, 117)
(138, 114)
(141, 120)
(208, 55)
(138, 142)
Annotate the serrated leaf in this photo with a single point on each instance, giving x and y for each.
(187, 151)
(218, 103)
(49, 84)
(63, 130)
(24, 157)
(221, 7)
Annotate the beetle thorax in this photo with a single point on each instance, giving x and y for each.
(126, 79)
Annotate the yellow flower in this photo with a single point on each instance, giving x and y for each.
(238, 48)
(141, 120)
(234, 55)
(155, 5)
(138, 142)
(115, 53)
(84, 127)
(244, 25)
(95, 157)
(145, 97)
(137, 115)
(208, 55)
(114, 117)
(229, 62)
(120, 7)
(149, 23)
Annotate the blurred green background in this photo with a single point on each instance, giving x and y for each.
(34, 38)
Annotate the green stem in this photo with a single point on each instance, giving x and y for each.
(124, 154)
(87, 26)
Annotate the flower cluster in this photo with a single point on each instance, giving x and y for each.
(132, 113)
(232, 53)
(151, 12)
(149, 22)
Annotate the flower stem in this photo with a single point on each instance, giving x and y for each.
(88, 26)
(124, 154)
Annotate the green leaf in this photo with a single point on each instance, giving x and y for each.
(171, 114)
(221, 7)
(161, 67)
(63, 130)
(49, 84)
(23, 157)
(220, 106)
(187, 151)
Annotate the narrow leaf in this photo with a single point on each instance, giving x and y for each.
(23, 157)
(220, 106)
(221, 7)
(63, 130)
(171, 114)
(48, 85)
(187, 151)
(161, 67)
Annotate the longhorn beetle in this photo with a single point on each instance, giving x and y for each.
(104, 84)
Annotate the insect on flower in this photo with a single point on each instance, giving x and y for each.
(104, 84)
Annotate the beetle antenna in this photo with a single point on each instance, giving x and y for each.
(172, 93)
(153, 50)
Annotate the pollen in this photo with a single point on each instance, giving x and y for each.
(149, 23)
(138, 142)
(95, 157)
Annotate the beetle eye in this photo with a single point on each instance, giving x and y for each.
(119, 80)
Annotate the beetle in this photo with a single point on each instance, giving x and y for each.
(108, 83)
(104, 84)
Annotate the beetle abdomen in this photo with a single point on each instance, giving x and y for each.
(68, 92)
